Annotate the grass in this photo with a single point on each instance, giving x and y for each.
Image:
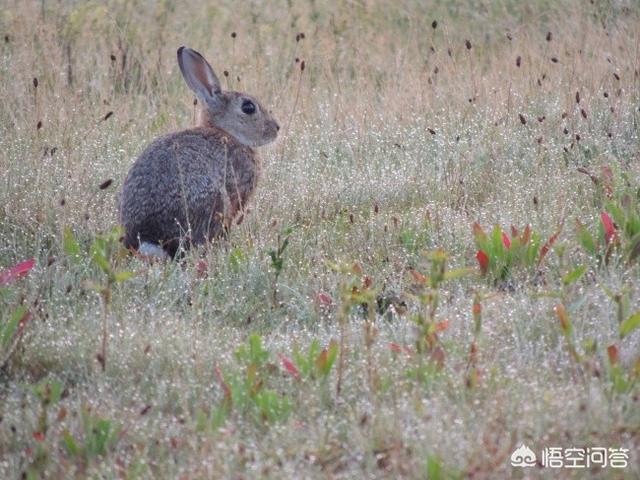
(372, 343)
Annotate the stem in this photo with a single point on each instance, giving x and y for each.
(69, 65)
(106, 301)
(275, 289)
(342, 320)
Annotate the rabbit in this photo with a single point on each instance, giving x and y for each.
(187, 187)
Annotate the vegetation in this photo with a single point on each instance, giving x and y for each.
(440, 263)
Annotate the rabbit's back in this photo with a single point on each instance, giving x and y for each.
(191, 183)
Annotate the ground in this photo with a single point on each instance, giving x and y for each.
(374, 314)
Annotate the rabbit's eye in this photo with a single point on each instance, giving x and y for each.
(248, 107)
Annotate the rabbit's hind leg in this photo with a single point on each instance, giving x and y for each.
(147, 249)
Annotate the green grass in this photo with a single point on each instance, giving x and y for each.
(391, 149)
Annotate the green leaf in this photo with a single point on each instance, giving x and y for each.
(69, 243)
(69, 443)
(236, 259)
(586, 239)
(99, 436)
(574, 275)
(497, 246)
(48, 391)
(634, 247)
(457, 273)
(123, 276)
(434, 469)
(284, 246)
(326, 358)
(100, 259)
(10, 328)
(630, 324)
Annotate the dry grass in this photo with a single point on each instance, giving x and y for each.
(397, 138)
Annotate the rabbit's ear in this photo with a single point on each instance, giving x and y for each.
(198, 73)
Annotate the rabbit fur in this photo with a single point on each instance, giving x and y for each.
(187, 187)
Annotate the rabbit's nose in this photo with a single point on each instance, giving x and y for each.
(277, 127)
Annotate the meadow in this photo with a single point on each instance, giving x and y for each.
(440, 263)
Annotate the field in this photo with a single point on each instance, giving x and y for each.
(440, 263)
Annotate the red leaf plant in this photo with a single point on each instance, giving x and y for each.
(16, 272)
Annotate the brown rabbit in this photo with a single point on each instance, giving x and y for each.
(187, 187)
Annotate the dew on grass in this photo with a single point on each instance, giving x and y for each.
(347, 150)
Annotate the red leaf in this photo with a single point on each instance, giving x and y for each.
(228, 398)
(289, 366)
(442, 326)
(563, 317)
(438, 356)
(478, 232)
(202, 269)
(609, 227)
(612, 353)
(323, 299)
(607, 180)
(483, 260)
(526, 235)
(418, 277)
(514, 232)
(506, 240)
(23, 322)
(547, 246)
(16, 272)
(39, 436)
(395, 348)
